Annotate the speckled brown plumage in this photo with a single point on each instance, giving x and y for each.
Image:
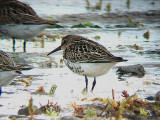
(16, 12)
(80, 49)
(6, 64)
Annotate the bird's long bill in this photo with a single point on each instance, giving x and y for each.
(55, 50)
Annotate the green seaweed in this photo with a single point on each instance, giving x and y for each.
(143, 112)
(52, 90)
(146, 35)
(128, 4)
(108, 7)
(88, 24)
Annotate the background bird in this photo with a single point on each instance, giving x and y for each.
(8, 70)
(86, 57)
(19, 21)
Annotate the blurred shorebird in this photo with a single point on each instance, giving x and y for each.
(19, 21)
(86, 57)
(8, 70)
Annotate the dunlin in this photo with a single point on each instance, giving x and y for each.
(86, 57)
(8, 69)
(19, 21)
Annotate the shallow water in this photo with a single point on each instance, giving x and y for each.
(56, 7)
(48, 70)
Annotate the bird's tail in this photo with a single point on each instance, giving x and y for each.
(120, 59)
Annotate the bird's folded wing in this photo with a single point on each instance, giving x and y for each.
(15, 12)
(32, 19)
(6, 64)
(9, 10)
(88, 51)
(6, 60)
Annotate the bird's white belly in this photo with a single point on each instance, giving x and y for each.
(6, 77)
(89, 69)
(21, 31)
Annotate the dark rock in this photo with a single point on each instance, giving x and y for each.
(156, 83)
(97, 106)
(25, 111)
(74, 118)
(108, 26)
(132, 70)
(18, 117)
(156, 51)
(157, 98)
(122, 26)
(95, 26)
(150, 98)
(39, 93)
(69, 118)
(137, 112)
(95, 119)
(153, 114)
(78, 26)
(129, 114)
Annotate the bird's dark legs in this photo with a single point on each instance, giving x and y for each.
(14, 42)
(24, 46)
(86, 80)
(94, 83)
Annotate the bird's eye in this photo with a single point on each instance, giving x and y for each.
(64, 42)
